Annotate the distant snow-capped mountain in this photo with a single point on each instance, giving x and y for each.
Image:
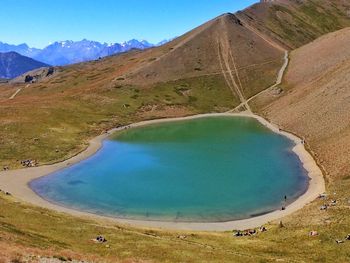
(69, 52)
(22, 49)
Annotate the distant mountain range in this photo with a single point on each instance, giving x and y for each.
(13, 64)
(69, 52)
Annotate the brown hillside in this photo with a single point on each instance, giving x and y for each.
(209, 69)
(221, 45)
(317, 102)
(294, 23)
(206, 70)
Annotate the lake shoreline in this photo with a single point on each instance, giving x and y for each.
(17, 182)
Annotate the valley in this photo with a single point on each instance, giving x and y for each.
(229, 64)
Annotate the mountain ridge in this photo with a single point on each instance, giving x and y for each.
(66, 52)
(200, 72)
(13, 64)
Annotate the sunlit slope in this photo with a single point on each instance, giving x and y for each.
(209, 69)
(221, 47)
(316, 101)
(200, 72)
(294, 23)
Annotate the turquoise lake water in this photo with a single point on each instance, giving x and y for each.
(203, 170)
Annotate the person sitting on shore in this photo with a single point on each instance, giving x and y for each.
(238, 234)
(101, 239)
(263, 229)
(323, 207)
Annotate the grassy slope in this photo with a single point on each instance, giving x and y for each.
(45, 122)
(296, 23)
(54, 118)
(81, 102)
(50, 234)
(315, 105)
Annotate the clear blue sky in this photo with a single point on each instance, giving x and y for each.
(39, 22)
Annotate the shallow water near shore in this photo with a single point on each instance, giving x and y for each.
(202, 170)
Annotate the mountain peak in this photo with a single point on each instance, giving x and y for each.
(69, 52)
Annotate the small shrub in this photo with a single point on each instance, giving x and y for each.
(62, 258)
(16, 260)
(192, 99)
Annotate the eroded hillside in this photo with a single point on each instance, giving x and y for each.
(316, 100)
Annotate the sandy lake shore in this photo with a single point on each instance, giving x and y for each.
(17, 182)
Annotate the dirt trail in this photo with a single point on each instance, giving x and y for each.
(16, 92)
(226, 59)
(280, 73)
(278, 82)
(225, 55)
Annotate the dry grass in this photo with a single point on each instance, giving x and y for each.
(29, 230)
(296, 23)
(53, 119)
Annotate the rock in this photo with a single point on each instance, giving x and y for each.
(313, 233)
(277, 91)
(28, 78)
(50, 71)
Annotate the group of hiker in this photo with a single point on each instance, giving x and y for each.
(325, 206)
(29, 163)
(100, 239)
(249, 232)
(24, 163)
(338, 241)
(347, 238)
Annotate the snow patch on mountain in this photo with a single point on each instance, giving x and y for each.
(69, 52)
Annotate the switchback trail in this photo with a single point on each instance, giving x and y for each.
(278, 82)
(226, 57)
